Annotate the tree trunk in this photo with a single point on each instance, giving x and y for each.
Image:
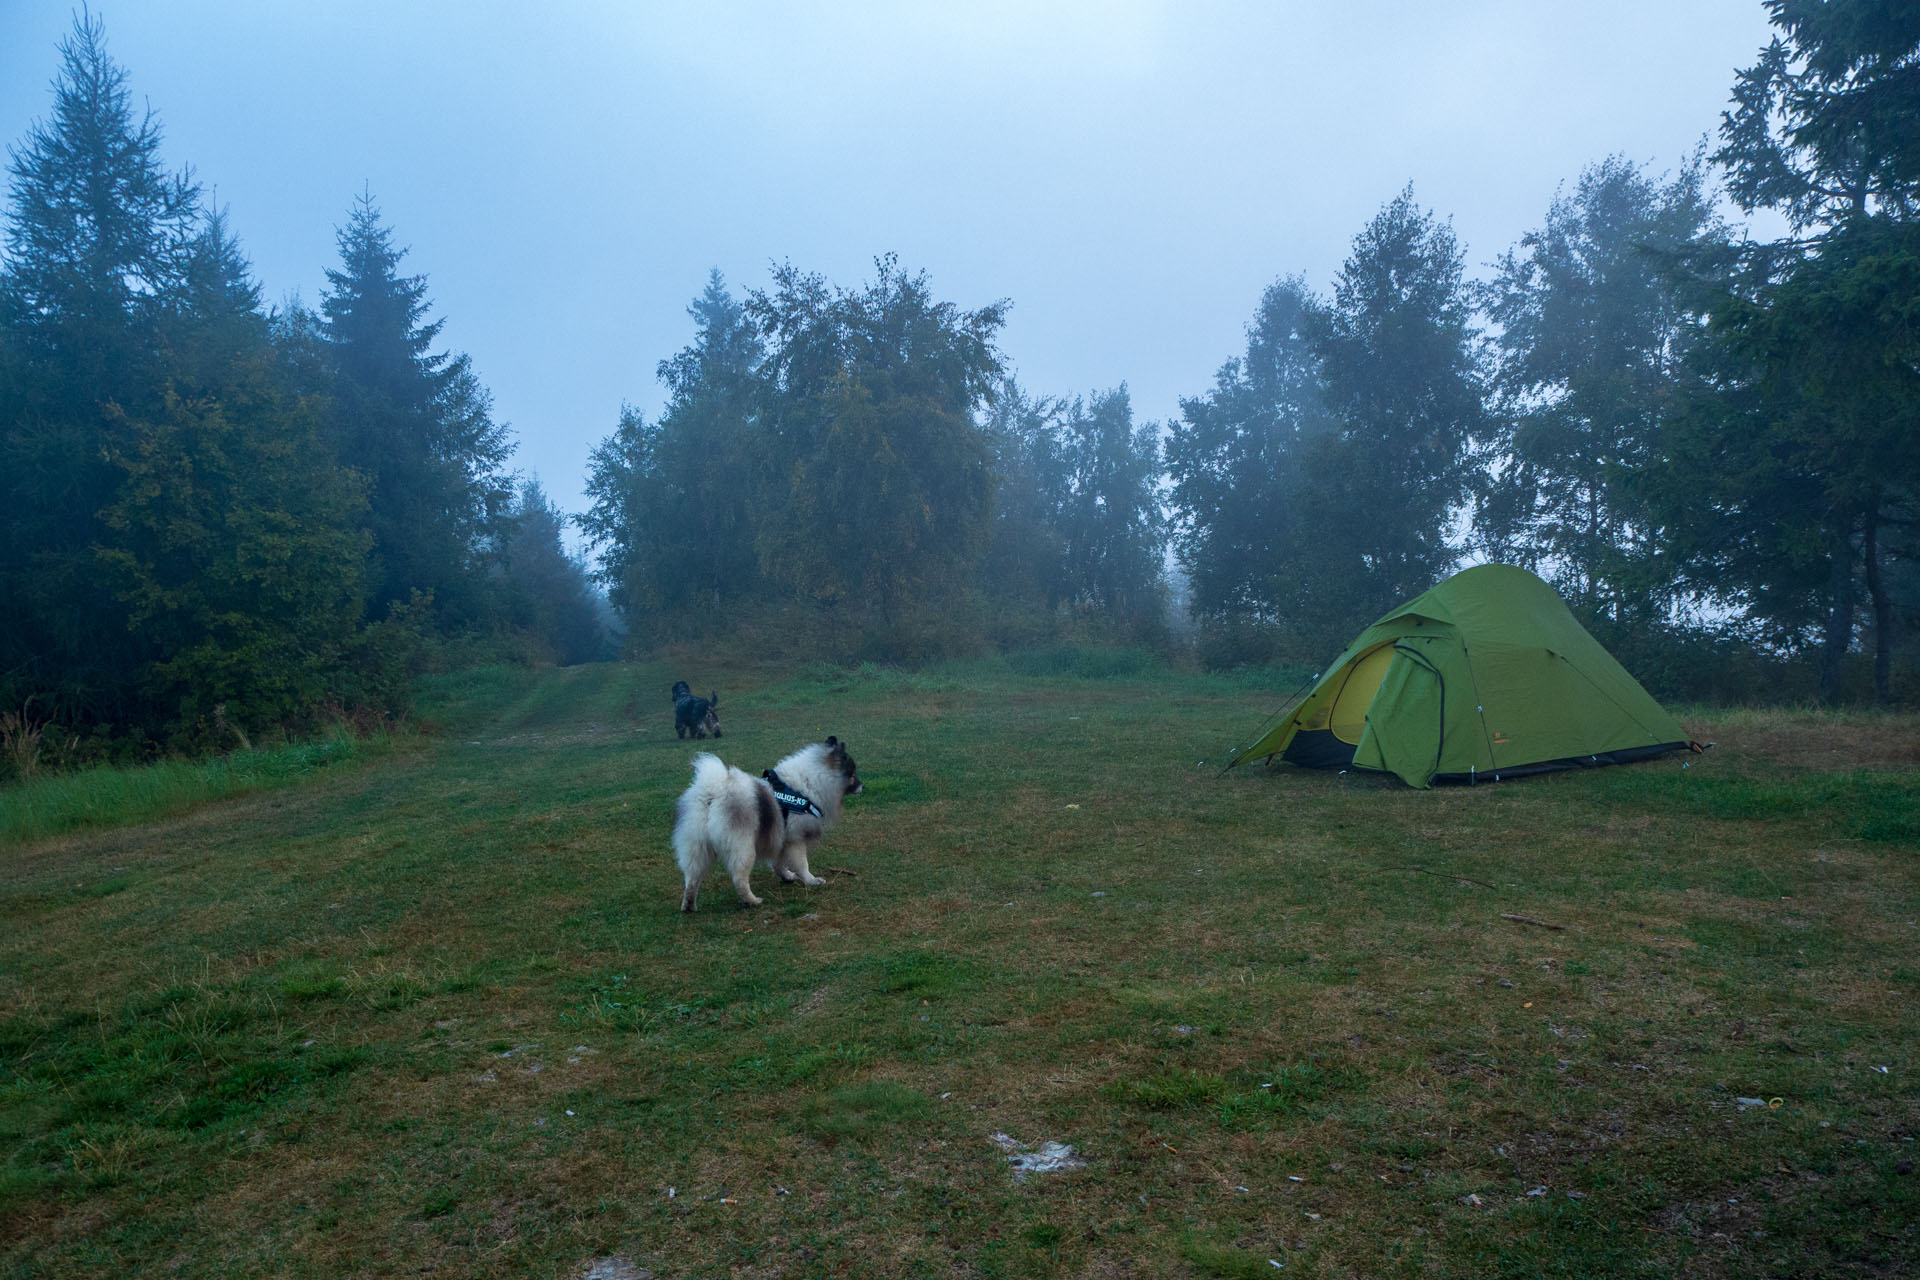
(1839, 630)
(1882, 608)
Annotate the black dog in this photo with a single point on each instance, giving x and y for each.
(693, 715)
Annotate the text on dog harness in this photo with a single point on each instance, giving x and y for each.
(789, 800)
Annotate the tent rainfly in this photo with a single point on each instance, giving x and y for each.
(1486, 676)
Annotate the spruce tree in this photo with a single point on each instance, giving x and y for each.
(1024, 565)
(620, 522)
(95, 230)
(234, 540)
(675, 514)
(416, 423)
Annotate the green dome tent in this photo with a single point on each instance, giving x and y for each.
(1486, 676)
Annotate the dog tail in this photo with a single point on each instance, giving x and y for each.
(692, 848)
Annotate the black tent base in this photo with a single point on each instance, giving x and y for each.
(1625, 756)
(1319, 749)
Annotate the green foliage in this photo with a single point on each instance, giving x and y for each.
(1108, 511)
(388, 657)
(94, 234)
(415, 422)
(193, 489)
(1317, 483)
(1025, 559)
(876, 473)
(1239, 464)
(1821, 458)
(1595, 329)
(1806, 453)
(234, 543)
(675, 510)
(1822, 125)
(819, 454)
(1405, 390)
(546, 593)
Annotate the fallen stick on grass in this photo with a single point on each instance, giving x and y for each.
(840, 871)
(1508, 915)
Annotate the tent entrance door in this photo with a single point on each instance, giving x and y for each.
(1408, 741)
(1347, 718)
(1328, 738)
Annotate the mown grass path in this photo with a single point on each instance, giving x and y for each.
(437, 1012)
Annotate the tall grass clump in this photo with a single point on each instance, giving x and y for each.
(116, 795)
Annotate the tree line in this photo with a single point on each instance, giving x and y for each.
(1707, 442)
(218, 518)
(222, 518)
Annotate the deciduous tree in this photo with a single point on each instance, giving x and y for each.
(1594, 333)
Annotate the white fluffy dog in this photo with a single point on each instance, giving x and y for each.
(728, 817)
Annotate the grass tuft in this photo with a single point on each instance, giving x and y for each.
(863, 1113)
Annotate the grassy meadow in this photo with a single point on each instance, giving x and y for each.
(432, 1009)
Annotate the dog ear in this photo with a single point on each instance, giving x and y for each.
(832, 741)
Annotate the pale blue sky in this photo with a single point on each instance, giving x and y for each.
(1130, 174)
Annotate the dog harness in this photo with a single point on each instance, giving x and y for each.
(789, 800)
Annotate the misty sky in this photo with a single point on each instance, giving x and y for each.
(1130, 175)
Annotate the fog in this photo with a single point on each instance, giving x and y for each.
(1129, 175)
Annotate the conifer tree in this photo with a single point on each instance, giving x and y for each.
(1024, 564)
(675, 514)
(416, 423)
(548, 597)
(707, 460)
(620, 521)
(234, 539)
(94, 233)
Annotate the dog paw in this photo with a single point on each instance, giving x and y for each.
(748, 900)
(814, 882)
